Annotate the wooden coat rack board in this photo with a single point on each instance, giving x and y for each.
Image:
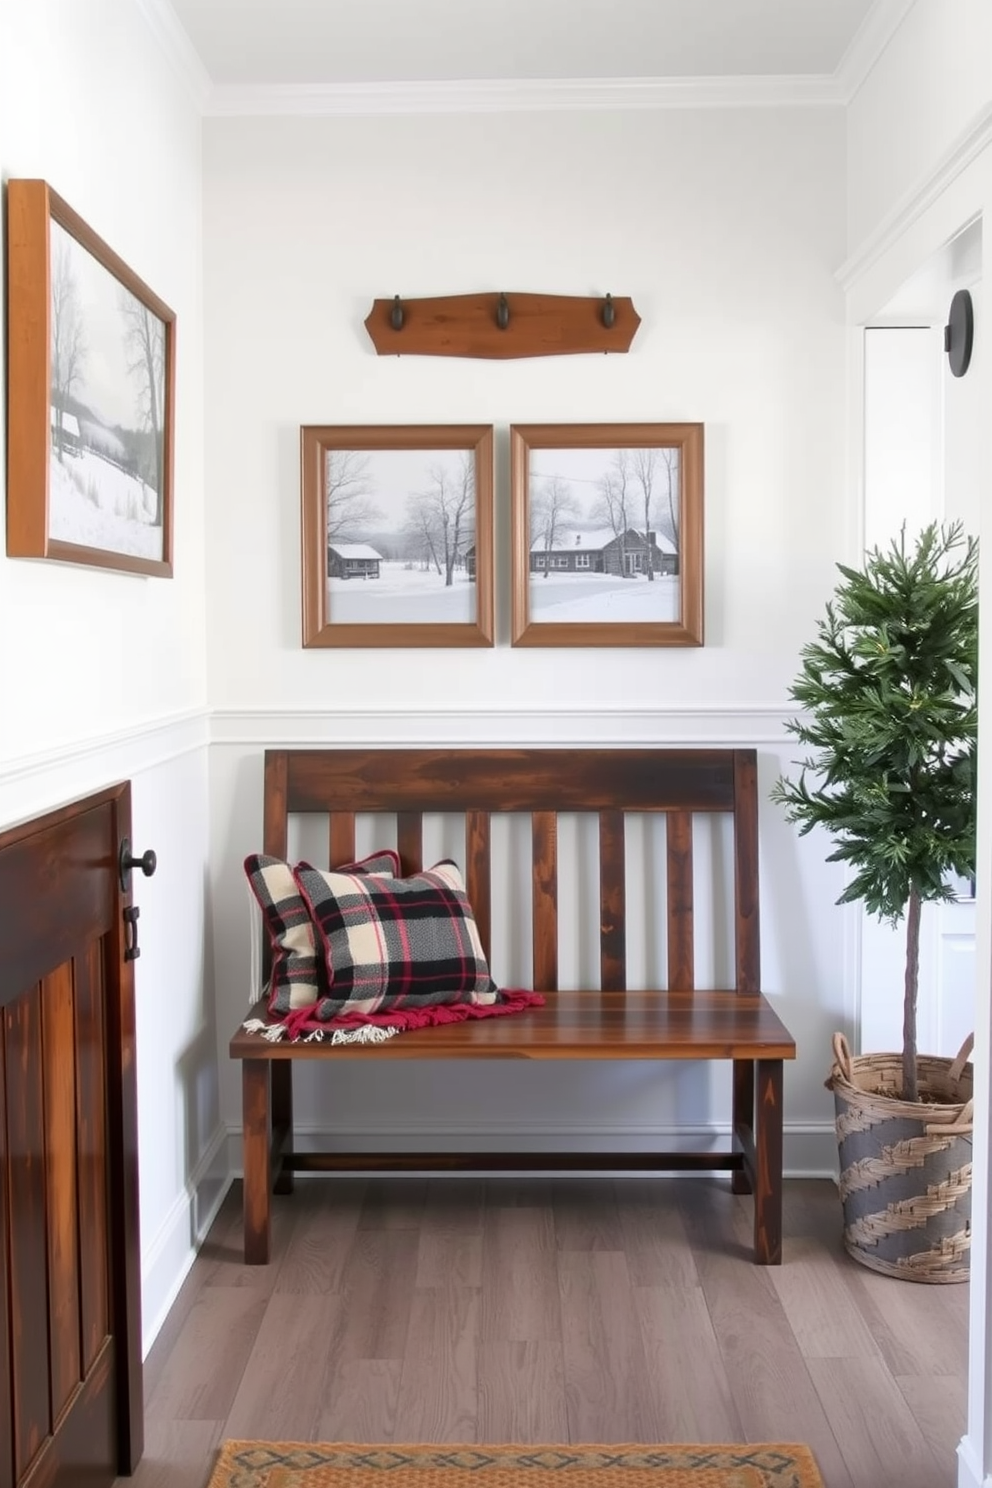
(502, 325)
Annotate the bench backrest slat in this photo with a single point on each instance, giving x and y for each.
(746, 871)
(544, 837)
(544, 784)
(681, 949)
(612, 902)
(342, 838)
(410, 840)
(478, 874)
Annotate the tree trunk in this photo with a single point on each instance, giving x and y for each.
(909, 1090)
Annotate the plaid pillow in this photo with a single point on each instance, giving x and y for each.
(297, 979)
(395, 942)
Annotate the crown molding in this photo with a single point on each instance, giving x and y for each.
(869, 42)
(512, 95)
(507, 95)
(176, 46)
(961, 153)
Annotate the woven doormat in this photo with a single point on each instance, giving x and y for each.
(246, 1464)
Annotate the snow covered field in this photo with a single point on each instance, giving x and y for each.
(401, 596)
(115, 512)
(561, 598)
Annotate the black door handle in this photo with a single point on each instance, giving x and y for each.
(148, 862)
(131, 948)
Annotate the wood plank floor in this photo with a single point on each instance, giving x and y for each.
(531, 1310)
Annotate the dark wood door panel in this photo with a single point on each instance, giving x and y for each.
(61, 1183)
(81, 1452)
(91, 1145)
(6, 1401)
(62, 879)
(70, 1331)
(28, 1243)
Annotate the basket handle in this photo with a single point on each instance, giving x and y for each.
(959, 1127)
(962, 1058)
(842, 1057)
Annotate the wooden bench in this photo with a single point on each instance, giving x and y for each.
(608, 1022)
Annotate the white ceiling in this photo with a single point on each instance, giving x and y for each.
(293, 43)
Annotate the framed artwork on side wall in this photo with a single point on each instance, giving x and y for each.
(397, 535)
(91, 394)
(607, 534)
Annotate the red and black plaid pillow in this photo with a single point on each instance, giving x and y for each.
(392, 943)
(297, 979)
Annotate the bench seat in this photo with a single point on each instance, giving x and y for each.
(577, 1025)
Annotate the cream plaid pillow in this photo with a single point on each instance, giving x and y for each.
(297, 979)
(395, 943)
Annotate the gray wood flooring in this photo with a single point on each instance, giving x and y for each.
(532, 1310)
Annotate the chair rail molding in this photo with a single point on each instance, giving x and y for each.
(705, 724)
(31, 782)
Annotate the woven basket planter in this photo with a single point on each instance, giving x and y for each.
(905, 1167)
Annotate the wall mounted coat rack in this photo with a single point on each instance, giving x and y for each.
(502, 325)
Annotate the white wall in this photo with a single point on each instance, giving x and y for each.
(920, 178)
(922, 462)
(726, 229)
(925, 90)
(103, 675)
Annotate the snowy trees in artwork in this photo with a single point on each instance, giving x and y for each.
(401, 535)
(604, 534)
(607, 534)
(397, 534)
(107, 463)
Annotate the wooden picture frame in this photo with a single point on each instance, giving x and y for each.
(610, 518)
(397, 535)
(91, 395)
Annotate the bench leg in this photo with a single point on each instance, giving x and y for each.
(743, 1117)
(282, 1120)
(768, 1165)
(255, 1108)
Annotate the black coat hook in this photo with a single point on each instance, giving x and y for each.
(502, 312)
(396, 314)
(609, 312)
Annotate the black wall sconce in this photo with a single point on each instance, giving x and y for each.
(959, 332)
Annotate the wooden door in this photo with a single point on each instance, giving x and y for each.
(70, 1327)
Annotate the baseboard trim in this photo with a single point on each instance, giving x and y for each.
(970, 1473)
(168, 1259)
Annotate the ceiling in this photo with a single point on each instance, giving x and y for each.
(292, 43)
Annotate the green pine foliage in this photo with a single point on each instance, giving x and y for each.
(889, 693)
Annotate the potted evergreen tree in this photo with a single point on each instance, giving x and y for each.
(888, 689)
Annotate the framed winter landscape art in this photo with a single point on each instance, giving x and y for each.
(607, 534)
(91, 369)
(397, 535)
